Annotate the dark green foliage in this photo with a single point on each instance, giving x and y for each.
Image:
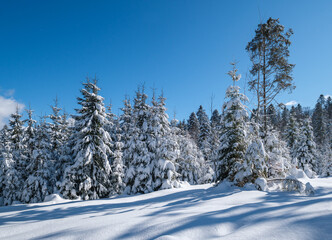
(193, 127)
(319, 122)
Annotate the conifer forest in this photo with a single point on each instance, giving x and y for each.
(265, 146)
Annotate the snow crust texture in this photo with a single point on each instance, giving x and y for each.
(191, 212)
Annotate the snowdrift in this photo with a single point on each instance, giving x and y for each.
(193, 212)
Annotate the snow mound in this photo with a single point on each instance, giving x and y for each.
(261, 184)
(302, 175)
(298, 173)
(54, 198)
(224, 186)
(290, 184)
(309, 189)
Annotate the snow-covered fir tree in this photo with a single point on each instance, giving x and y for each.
(254, 164)
(164, 145)
(215, 136)
(126, 122)
(215, 128)
(138, 177)
(326, 159)
(56, 133)
(112, 121)
(62, 155)
(117, 166)
(88, 176)
(215, 118)
(305, 149)
(328, 111)
(282, 126)
(233, 142)
(4, 138)
(273, 116)
(154, 152)
(10, 178)
(292, 135)
(190, 164)
(40, 167)
(193, 127)
(319, 122)
(29, 134)
(204, 138)
(299, 112)
(17, 140)
(278, 156)
(17, 161)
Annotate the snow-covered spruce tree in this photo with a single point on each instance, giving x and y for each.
(18, 155)
(58, 135)
(139, 176)
(190, 164)
(88, 176)
(319, 122)
(292, 135)
(254, 164)
(273, 116)
(326, 168)
(17, 140)
(321, 129)
(193, 127)
(40, 168)
(284, 120)
(305, 149)
(215, 129)
(4, 136)
(10, 182)
(153, 151)
(215, 136)
(190, 161)
(117, 166)
(278, 156)
(328, 111)
(29, 134)
(164, 145)
(112, 121)
(205, 133)
(4, 141)
(126, 122)
(182, 125)
(299, 112)
(62, 156)
(327, 154)
(233, 142)
(215, 118)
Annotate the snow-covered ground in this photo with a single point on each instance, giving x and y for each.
(194, 212)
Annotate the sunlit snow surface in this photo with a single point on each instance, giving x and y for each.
(193, 212)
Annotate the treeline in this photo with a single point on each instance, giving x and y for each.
(97, 154)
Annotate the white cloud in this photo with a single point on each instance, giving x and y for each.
(7, 107)
(291, 103)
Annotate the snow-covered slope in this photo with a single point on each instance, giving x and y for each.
(194, 212)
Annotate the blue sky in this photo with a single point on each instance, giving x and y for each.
(183, 47)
